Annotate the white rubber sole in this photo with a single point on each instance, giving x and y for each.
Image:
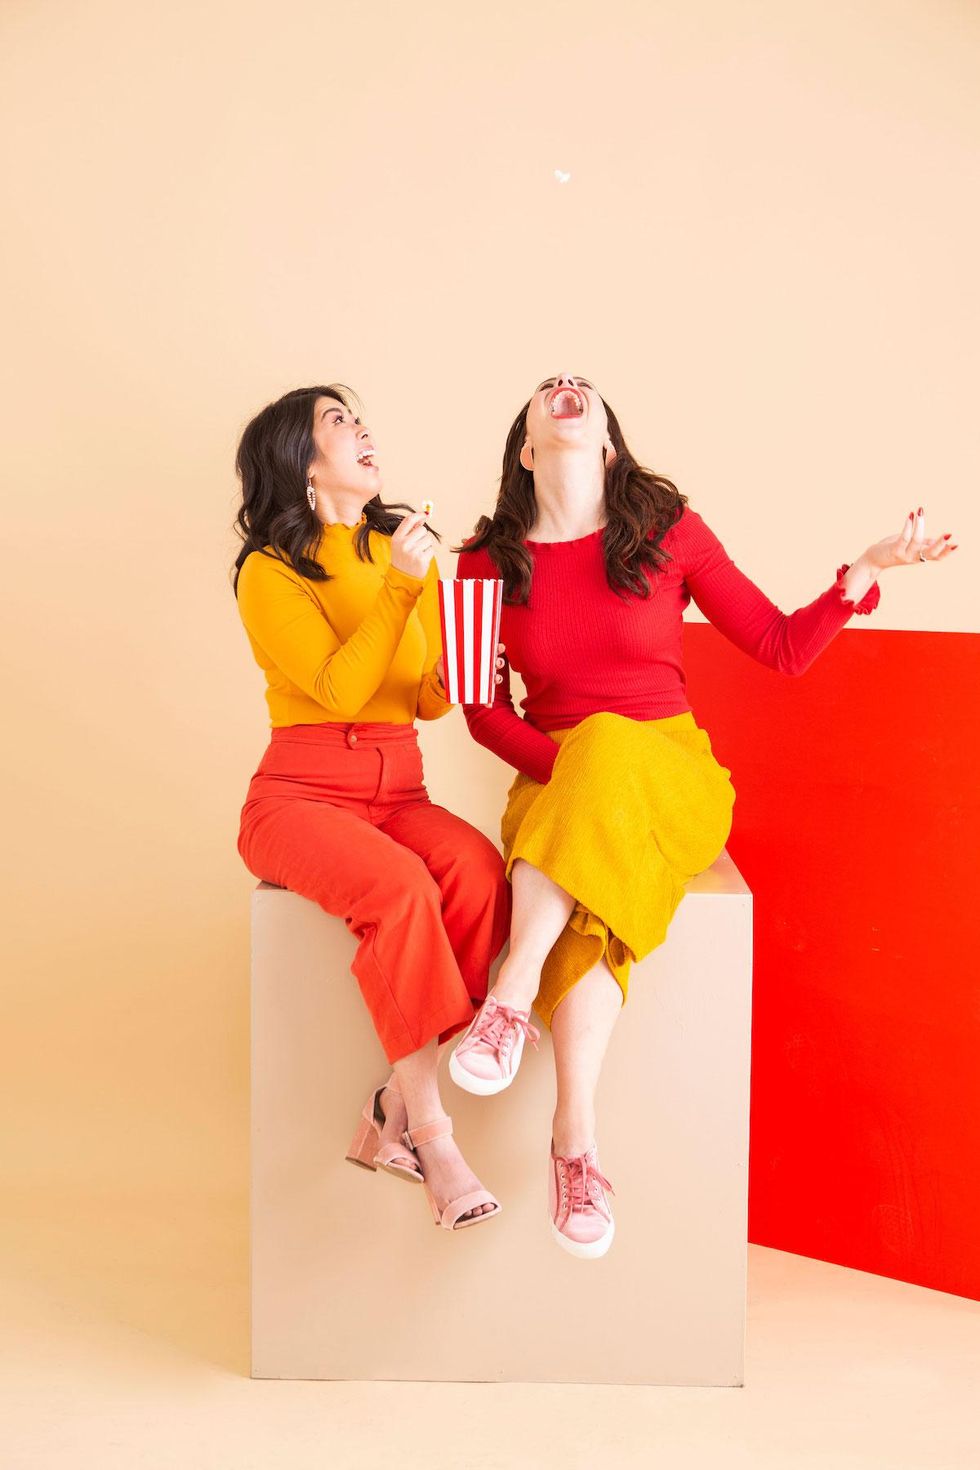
(481, 1086)
(585, 1250)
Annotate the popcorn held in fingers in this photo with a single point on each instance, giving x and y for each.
(427, 508)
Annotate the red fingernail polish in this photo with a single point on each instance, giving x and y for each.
(947, 535)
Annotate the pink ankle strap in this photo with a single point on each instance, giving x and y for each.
(427, 1132)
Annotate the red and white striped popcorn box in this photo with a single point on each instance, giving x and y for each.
(469, 611)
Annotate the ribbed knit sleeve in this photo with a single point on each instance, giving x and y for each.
(500, 728)
(287, 622)
(787, 642)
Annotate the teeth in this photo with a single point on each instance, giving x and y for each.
(566, 393)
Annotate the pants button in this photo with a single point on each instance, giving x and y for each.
(352, 738)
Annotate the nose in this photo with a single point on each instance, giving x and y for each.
(565, 380)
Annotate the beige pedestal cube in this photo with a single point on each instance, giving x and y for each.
(350, 1277)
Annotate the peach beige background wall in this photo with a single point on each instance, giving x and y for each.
(765, 256)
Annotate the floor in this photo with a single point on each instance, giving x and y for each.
(125, 1345)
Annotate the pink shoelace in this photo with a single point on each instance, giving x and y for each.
(497, 1027)
(581, 1175)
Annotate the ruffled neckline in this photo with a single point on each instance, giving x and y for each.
(332, 527)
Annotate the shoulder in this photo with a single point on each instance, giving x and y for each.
(689, 535)
(264, 570)
(688, 523)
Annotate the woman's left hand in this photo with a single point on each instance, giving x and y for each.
(909, 546)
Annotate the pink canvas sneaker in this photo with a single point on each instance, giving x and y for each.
(489, 1053)
(581, 1220)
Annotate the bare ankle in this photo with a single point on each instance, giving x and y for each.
(573, 1134)
(516, 986)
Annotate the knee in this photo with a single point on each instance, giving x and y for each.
(479, 861)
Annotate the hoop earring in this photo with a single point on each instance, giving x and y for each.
(311, 495)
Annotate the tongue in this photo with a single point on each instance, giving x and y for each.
(566, 404)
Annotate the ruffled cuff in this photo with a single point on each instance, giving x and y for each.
(433, 701)
(437, 685)
(868, 602)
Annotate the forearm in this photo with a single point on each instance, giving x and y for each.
(513, 740)
(350, 676)
(786, 642)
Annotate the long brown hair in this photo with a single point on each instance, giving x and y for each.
(641, 507)
(274, 455)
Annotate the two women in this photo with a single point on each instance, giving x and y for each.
(617, 800)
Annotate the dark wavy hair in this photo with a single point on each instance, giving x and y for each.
(641, 507)
(273, 458)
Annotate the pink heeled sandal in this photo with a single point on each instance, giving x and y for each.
(369, 1151)
(449, 1218)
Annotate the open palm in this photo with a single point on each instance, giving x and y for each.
(910, 545)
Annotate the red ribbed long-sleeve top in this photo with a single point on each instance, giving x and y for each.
(581, 647)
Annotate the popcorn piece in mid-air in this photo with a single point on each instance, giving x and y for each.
(562, 177)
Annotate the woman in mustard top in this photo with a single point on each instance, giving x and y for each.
(338, 596)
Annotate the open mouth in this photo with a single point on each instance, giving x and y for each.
(566, 403)
(366, 458)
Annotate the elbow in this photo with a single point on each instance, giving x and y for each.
(793, 665)
(328, 698)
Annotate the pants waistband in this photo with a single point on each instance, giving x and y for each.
(335, 732)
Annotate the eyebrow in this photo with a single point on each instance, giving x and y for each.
(548, 382)
(339, 408)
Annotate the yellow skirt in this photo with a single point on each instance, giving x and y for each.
(634, 809)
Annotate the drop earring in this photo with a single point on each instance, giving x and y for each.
(311, 495)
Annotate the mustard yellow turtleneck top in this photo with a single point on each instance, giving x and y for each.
(362, 646)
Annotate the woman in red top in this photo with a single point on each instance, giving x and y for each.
(618, 799)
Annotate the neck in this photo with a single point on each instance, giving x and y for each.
(570, 493)
(338, 509)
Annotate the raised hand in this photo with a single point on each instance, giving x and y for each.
(412, 546)
(910, 546)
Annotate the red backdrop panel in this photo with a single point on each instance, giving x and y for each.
(857, 826)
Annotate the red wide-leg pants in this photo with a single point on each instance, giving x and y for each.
(340, 814)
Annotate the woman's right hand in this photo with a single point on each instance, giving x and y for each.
(412, 546)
